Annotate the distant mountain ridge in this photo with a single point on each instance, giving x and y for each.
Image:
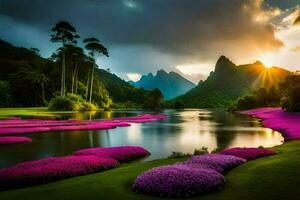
(229, 81)
(170, 84)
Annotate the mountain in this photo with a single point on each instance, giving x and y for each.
(20, 87)
(229, 81)
(170, 84)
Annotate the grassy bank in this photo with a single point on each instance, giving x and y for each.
(36, 111)
(275, 177)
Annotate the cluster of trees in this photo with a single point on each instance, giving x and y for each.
(286, 95)
(69, 79)
(65, 34)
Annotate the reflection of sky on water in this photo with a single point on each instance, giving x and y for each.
(182, 131)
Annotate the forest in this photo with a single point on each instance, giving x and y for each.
(68, 80)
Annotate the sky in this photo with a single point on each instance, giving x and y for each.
(142, 36)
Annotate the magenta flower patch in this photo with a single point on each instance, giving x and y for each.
(14, 140)
(122, 153)
(172, 181)
(226, 162)
(279, 120)
(17, 126)
(52, 169)
(248, 153)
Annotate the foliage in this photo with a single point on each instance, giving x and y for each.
(61, 104)
(179, 104)
(177, 154)
(87, 106)
(286, 94)
(33, 80)
(74, 97)
(155, 100)
(291, 93)
(5, 97)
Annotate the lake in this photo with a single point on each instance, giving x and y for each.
(183, 131)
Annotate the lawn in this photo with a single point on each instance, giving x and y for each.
(275, 177)
(36, 111)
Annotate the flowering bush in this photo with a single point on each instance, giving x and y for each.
(248, 153)
(172, 181)
(122, 153)
(52, 169)
(14, 140)
(225, 162)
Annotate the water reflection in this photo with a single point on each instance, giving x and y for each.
(182, 131)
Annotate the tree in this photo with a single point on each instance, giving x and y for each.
(95, 48)
(40, 79)
(36, 51)
(75, 55)
(156, 99)
(64, 33)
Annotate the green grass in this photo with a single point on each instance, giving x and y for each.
(270, 178)
(36, 111)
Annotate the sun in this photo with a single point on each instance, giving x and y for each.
(267, 60)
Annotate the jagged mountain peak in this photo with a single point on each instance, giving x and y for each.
(171, 84)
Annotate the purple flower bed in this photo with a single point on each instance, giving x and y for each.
(122, 153)
(14, 140)
(15, 126)
(202, 165)
(226, 162)
(172, 181)
(52, 169)
(200, 174)
(248, 153)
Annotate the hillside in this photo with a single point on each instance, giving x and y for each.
(229, 81)
(22, 70)
(170, 84)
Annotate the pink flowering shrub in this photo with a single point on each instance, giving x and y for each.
(15, 126)
(279, 120)
(175, 181)
(248, 153)
(52, 169)
(14, 140)
(122, 153)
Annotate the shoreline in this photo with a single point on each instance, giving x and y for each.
(286, 123)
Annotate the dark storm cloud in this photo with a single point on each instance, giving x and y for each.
(283, 4)
(184, 29)
(170, 25)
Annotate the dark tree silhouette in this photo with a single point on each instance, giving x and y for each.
(95, 48)
(64, 33)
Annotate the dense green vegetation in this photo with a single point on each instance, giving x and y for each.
(228, 82)
(27, 79)
(285, 94)
(275, 177)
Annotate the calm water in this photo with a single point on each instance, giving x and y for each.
(182, 131)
